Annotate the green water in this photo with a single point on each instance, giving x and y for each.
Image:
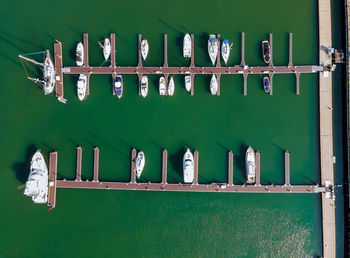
(151, 224)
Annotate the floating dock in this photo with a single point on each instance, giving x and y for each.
(165, 186)
(242, 69)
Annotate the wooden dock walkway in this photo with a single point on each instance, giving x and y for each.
(96, 163)
(326, 128)
(257, 168)
(242, 69)
(59, 73)
(133, 167)
(52, 179)
(79, 161)
(230, 168)
(164, 167)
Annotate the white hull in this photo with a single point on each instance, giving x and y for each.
(225, 50)
(188, 167)
(37, 183)
(79, 54)
(212, 48)
(49, 74)
(187, 46)
(118, 86)
(213, 85)
(162, 87)
(140, 163)
(144, 86)
(188, 83)
(144, 49)
(171, 87)
(250, 165)
(81, 87)
(106, 49)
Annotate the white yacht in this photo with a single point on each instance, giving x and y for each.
(106, 48)
(187, 46)
(171, 86)
(162, 86)
(140, 163)
(212, 48)
(118, 86)
(266, 85)
(37, 183)
(188, 167)
(81, 87)
(250, 165)
(144, 86)
(213, 85)
(48, 81)
(144, 48)
(225, 50)
(188, 84)
(79, 54)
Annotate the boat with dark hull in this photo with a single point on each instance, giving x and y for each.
(266, 51)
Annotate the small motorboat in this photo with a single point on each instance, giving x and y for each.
(144, 48)
(187, 46)
(79, 54)
(266, 81)
(213, 85)
(225, 50)
(188, 167)
(266, 51)
(188, 84)
(162, 86)
(171, 86)
(250, 165)
(106, 48)
(81, 87)
(144, 86)
(212, 48)
(140, 163)
(118, 86)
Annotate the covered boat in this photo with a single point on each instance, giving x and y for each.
(266, 51)
(118, 86)
(79, 54)
(188, 84)
(144, 86)
(140, 163)
(212, 48)
(213, 85)
(225, 50)
(144, 48)
(266, 82)
(187, 46)
(162, 86)
(188, 167)
(106, 48)
(171, 86)
(37, 183)
(250, 165)
(81, 86)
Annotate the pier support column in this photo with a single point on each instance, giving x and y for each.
(165, 167)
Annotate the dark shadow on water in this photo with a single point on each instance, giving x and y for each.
(3, 36)
(239, 158)
(49, 148)
(278, 147)
(73, 142)
(222, 146)
(169, 26)
(158, 145)
(176, 160)
(309, 181)
(21, 169)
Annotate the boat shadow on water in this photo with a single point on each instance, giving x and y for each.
(239, 159)
(21, 169)
(176, 161)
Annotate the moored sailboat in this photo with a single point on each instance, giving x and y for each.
(144, 86)
(162, 86)
(144, 48)
(171, 86)
(79, 54)
(81, 87)
(140, 163)
(187, 46)
(225, 50)
(213, 85)
(212, 48)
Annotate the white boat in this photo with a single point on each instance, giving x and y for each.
(213, 85)
(81, 87)
(225, 50)
(267, 85)
(79, 54)
(118, 86)
(188, 167)
(187, 46)
(144, 86)
(162, 86)
(171, 86)
(140, 163)
(37, 183)
(188, 84)
(106, 48)
(266, 51)
(250, 165)
(212, 48)
(144, 48)
(48, 81)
